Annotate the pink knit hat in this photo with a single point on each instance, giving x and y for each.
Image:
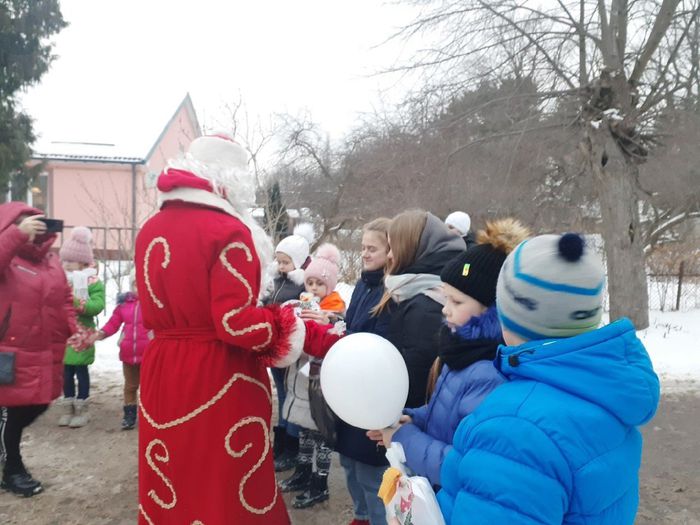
(78, 248)
(324, 266)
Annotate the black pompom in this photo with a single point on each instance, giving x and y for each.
(571, 246)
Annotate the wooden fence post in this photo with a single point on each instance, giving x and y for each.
(680, 285)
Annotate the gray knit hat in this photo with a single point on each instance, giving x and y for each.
(551, 286)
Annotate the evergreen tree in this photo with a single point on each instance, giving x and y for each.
(276, 218)
(25, 55)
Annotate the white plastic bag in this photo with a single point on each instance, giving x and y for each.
(413, 500)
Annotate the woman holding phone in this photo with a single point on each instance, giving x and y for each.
(36, 320)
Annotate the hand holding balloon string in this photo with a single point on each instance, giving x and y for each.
(385, 435)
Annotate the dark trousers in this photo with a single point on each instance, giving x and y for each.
(13, 420)
(310, 441)
(70, 372)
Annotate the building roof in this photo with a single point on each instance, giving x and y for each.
(133, 139)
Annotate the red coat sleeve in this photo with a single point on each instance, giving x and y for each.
(271, 332)
(319, 339)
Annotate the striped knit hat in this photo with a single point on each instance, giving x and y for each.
(551, 286)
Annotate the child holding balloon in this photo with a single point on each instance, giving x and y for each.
(463, 374)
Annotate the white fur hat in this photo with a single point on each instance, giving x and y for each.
(297, 245)
(219, 149)
(460, 221)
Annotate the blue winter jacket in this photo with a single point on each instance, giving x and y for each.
(558, 443)
(457, 394)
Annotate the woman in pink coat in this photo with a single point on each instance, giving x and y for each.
(132, 343)
(36, 319)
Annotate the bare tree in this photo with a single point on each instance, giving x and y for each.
(315, 176)
(608, 70)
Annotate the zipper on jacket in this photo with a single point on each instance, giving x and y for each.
(136, 313)
(274, 298)
(26, 270)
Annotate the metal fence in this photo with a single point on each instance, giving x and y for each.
(114, 247)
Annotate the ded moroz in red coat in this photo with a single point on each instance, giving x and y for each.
(204, 441)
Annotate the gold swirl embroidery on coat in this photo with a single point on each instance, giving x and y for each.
(164, 265)
(162, 459)
(239, 454)
(194, 413)
(249, 301)
(145, 516)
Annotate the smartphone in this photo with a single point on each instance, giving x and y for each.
(53, 225)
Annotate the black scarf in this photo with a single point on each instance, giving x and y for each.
(458, 353)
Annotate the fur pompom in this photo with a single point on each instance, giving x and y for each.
(296, 276)
(504, 234)
(82, 234)
(329, 252)
(305, 230)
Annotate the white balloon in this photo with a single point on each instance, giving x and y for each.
(365, 381)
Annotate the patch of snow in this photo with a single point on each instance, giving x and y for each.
(613, 114)
(672, 342)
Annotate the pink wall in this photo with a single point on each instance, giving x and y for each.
(100, 194)
(181, 130)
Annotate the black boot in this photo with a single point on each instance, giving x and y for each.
(300, 480)
(129, 420)
(288, 458)
(22, 483)
(278, 442)
(316, 493)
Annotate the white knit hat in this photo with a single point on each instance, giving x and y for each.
(460, 221)
(297, 245)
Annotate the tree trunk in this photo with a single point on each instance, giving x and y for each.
(621, 231)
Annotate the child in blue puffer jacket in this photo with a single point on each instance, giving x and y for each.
(558, 443)
(463, 374)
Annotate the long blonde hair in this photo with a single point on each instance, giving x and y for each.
(404, 236)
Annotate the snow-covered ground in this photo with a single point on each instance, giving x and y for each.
(673, 342)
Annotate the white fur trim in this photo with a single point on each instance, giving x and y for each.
(262, 242)
(296, 345)
(216, 150)
(296, 276)
(198, 196)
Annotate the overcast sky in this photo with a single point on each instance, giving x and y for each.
(118, 59)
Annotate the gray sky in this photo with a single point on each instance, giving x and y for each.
(136, 59)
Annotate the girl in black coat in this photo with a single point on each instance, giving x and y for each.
(420, 245)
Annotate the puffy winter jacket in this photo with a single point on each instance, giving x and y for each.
(457, 394)
(94, 305)
(36, 312)
(285, 290)
(134, 337)
(558, 443)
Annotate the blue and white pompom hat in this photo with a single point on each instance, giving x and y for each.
(551, 286)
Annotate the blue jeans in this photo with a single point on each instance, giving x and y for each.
(278, 376)
(70, 372)
(363, 484)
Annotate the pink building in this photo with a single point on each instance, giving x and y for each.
(110, 186)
